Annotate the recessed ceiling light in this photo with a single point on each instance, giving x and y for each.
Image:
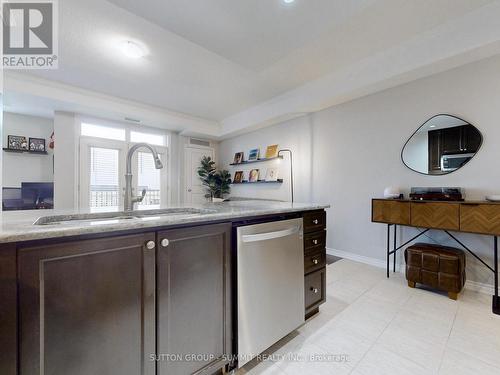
(133, 50)
(432, 126)
(288, 1)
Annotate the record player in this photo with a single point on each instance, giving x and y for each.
(437, 194)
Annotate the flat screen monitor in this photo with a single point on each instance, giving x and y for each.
(37, 193)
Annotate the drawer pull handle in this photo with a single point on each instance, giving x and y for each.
(315, 242)
(150, 245)
(165, 242)
(315, 290)
(315, 261)
(315, 222)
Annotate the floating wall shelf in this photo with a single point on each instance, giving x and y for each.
(257, 161)
(25, 151)
(280, 181)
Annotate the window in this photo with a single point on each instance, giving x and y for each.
(149, 178)
(103, 158)
(152, 139)
(106, 132)
(104, 179)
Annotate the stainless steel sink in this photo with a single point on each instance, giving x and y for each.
(116, 217)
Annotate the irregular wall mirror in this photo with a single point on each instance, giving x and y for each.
(443, 144)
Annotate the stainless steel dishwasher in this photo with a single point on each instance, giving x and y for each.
(270, 284)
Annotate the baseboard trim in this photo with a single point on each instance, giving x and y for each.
(475, 286)
(360, 258)
(469, 285)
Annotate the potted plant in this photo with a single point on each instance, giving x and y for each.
(217, 183)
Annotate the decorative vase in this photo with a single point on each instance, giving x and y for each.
(392, 192)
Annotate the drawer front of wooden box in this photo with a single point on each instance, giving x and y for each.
(435, 215)
(314, 285)
(480, 218)
(314, 221)
(315, 240)
(392, 212)
(314, 260)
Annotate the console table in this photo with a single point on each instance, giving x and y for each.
(469, 216)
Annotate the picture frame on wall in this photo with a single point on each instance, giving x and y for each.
(37, 144)
(272, 152)
(254, 154)
(238, 177)
(17, 142)
(271, 174)
(253, 176)
(238, 158)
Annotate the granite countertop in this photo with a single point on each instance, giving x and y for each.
(17, 226)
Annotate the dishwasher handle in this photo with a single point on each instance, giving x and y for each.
(269, 235)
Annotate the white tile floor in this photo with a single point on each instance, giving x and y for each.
(372, 325)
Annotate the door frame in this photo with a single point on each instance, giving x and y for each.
(187, 165)
(84, 183)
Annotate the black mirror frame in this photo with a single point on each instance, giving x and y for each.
(416, 131)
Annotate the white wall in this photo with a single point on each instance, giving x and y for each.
(355, 153)
(295, 135)
(66, 131)
(19, 168)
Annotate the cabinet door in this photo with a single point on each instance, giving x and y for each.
(194, 309)
(452, 140)
(480, 218)
(88, 307)
(391, 211)
(435, 150)
(435, 215)
(471, 138)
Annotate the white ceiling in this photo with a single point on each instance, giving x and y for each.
(252, 33)
(220, 59)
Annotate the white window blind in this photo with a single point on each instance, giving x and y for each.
(104, 178)
(149, 178)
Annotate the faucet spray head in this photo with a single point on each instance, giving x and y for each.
(158, 163)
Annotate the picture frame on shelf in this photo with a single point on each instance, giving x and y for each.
(271, 175)
(254, 154)
(238, 177)
(238, 158)
(272, 152)
(17, 142)
(37, 144)
(253, 176)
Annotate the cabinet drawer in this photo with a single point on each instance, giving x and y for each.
(315, 240)
(314, 289)
(392, 212)
(480, 218)
(314, 221)
(314, 260)
(435, 215)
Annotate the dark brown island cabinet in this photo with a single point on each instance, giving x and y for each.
(456, 140)
(158, 302)
(314, 261)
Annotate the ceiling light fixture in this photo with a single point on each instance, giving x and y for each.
(288, 1)
(133, 50)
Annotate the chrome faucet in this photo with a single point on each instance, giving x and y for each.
(130, 200)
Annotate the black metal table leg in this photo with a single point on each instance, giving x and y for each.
(395, 246)
(496, 299)
(388, 247)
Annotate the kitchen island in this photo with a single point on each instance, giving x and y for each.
(147, 292)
